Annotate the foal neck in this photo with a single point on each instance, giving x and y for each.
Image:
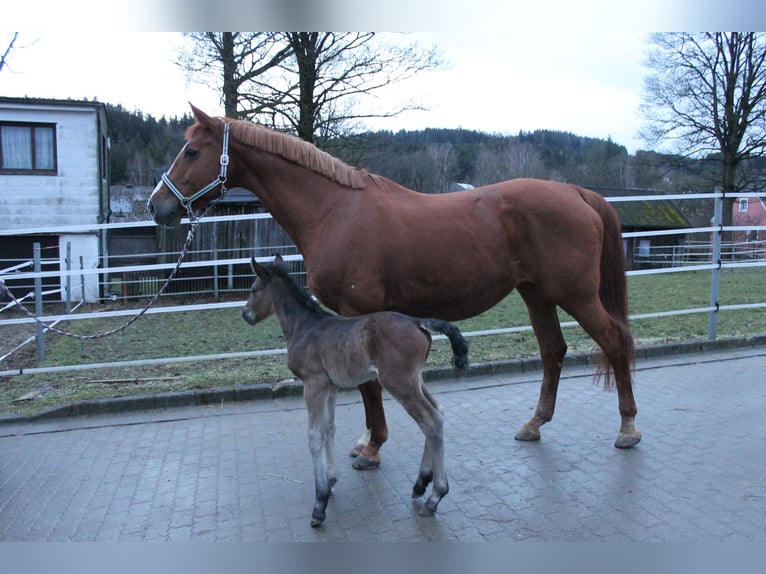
(294, 307)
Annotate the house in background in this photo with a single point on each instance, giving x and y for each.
(54, 171)
(750, 212)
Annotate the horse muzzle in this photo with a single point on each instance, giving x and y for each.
(166, 211)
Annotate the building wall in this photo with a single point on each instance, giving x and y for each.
(73, 195)
(752, 242)
(77, 194)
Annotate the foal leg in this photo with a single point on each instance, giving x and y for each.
(367, 457)
(316, 394)
(553, 347)
(425, 411)
(329, 445)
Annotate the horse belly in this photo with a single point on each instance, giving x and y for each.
(350, 375)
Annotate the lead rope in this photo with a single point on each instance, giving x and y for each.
(184, 251)
(194, 221)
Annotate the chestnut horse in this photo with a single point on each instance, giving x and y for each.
(370, 245)
(326, 352)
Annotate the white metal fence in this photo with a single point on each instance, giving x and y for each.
(701, 250)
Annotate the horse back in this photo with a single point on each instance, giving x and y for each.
(353, 350)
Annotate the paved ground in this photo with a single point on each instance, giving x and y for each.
(242, 471)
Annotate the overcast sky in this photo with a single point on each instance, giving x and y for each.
(554, 65)
(589, 85)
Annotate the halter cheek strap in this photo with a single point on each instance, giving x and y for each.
(186, 202)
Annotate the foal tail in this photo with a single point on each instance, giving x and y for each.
(613, 289)
(458, 343)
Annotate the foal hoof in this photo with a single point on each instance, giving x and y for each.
(527, 435)
(429, 508)
(625, 440)
(316, 522)
(361, 462)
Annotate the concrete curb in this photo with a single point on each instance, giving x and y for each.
(202, 397)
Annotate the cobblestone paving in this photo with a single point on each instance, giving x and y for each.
(242, 472)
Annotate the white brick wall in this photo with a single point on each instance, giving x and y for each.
(71, 196)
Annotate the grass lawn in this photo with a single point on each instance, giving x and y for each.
(223, 331)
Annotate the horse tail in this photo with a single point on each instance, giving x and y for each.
(613, 287)
(456, 339)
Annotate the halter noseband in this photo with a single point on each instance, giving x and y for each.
(186, 202)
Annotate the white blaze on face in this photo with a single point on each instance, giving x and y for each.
(160, 183)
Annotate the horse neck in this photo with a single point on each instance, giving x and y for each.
(297, 198)
(292, 314)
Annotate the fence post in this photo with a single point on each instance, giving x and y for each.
(715, 277)
(82, 279)
(39, 300)
(68, 263)
(215, 259)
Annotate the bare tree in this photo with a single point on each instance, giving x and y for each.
(310, 83)
(707, 94)
(231, 62)
(336, 71)
(7, 52)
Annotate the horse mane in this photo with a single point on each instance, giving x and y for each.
(297, 151)
(295, 291)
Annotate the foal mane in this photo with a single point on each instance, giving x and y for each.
(295, 291)
(294, 150)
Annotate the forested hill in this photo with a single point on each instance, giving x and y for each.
(431, 160)
(141, 145)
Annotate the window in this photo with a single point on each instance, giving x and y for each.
(743, 205)
(27, 148)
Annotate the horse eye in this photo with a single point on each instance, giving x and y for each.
(191, 153)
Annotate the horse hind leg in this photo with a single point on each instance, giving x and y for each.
(427, 413)
(616, 343)
(553, 347)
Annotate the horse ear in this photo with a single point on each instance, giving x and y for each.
(280, 264)
(259, 270)
(199, 115)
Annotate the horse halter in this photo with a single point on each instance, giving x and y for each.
(186, 202)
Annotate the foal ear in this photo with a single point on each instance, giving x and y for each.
(259, 270)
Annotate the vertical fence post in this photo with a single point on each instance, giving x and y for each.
(68, 263)
(715, 276)
(39, 300)
(215, 259)
(82, 279)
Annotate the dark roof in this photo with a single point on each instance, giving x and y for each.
(52, 102)
(239, 196)
(650, 214)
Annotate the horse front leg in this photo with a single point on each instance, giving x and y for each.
(553, 347)
(316, 393)
(367, 455)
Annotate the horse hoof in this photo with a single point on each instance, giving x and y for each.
(361, 462)
(527, 435)
(428, 509)
(356, 451)
(625, 440)
(317, 518)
